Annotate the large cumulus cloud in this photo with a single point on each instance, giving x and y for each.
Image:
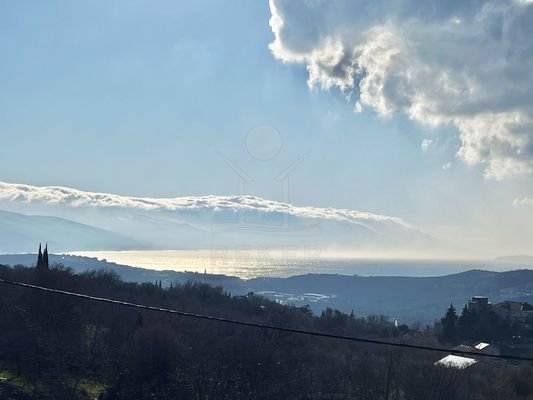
(464, 63)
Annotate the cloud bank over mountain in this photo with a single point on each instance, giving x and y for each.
(199, 222)
(56, 195)
(465, 64)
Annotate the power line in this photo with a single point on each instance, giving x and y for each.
(264, 326)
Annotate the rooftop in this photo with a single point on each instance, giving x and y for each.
(458, 362)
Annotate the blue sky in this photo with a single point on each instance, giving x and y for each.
(137, 98)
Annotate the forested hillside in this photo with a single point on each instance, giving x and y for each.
(407, 298)
(58, 347)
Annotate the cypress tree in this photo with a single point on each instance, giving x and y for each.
(45, 257)
(39, 258)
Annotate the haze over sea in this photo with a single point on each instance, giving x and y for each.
(248, 264)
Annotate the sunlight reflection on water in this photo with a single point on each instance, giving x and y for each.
(248, 267)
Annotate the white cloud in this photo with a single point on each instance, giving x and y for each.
(73, 198)
(204, 220)
(461, 63)
(524, 202)
(426, 144)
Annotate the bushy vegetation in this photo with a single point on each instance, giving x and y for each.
(57, 347)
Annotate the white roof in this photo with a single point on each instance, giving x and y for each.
(481, 345)
(451, 361)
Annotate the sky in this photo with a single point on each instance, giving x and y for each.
(417, 111)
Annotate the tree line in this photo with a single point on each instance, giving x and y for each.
(471, 326)
(57, 347)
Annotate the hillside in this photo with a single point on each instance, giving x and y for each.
(53, 347)
(65, 348)
(410, 299)
(19, 233)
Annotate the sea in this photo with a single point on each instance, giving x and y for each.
(248, 265)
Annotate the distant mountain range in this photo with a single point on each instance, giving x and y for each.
(410, 299)
(20, 233)
(189, 222)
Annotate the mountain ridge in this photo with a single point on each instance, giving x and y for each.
(207, 221)
(19, 232)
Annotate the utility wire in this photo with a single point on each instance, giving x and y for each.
(265, 326)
